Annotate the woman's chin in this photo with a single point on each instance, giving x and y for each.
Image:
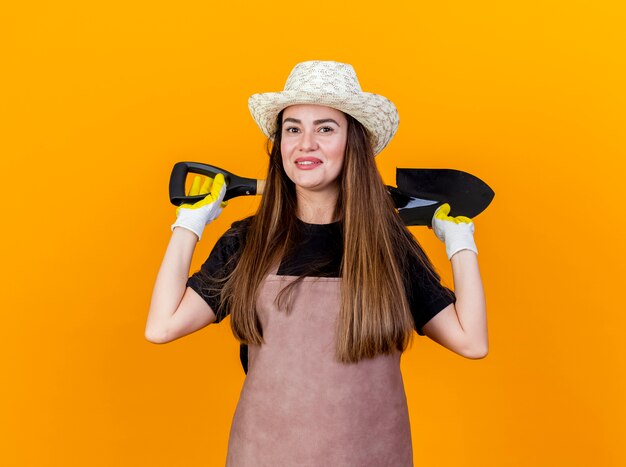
(306, 182)
(314, 186)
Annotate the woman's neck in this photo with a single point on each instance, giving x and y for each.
(316, 207)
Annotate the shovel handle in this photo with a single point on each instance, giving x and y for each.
(236, 185)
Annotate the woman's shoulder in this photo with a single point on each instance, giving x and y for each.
(241, 225)
(230, 242)
(237, 231)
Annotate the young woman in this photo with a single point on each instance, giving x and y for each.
(324, 284)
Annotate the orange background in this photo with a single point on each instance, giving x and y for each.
(99, 100)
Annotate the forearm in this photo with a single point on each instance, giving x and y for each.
(470, 305)
(171, 280)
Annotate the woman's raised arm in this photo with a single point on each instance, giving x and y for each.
(176, 310)
(461, 326)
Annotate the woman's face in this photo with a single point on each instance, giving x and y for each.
(313, 143)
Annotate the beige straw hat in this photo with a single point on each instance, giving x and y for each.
(332, 84)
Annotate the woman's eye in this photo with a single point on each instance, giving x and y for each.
(325, 129)
(291, 130)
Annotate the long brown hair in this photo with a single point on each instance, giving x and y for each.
(375, 317)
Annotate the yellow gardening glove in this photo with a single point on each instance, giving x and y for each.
(456, 232)
(197, 216)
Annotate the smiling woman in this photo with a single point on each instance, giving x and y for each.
(325, 286)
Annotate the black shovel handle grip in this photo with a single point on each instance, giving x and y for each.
(235, 185)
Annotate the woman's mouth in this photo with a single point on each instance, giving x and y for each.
(307, 163)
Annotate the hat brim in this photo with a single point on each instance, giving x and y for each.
(375, 112)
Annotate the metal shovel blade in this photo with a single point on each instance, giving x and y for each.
(421, 191)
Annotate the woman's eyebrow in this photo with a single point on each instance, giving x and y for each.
(325, 120)
(315, 122)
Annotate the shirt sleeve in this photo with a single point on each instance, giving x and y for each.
(221, 262)
(426, 295)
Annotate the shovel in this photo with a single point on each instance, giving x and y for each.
(418, 195)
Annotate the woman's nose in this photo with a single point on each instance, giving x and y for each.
(308, 142)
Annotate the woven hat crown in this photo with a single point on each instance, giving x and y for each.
(333, 78)
(332, 84)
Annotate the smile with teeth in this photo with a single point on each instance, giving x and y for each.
(307, 163)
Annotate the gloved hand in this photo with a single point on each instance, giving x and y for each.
(456, 232)
(196, 216)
